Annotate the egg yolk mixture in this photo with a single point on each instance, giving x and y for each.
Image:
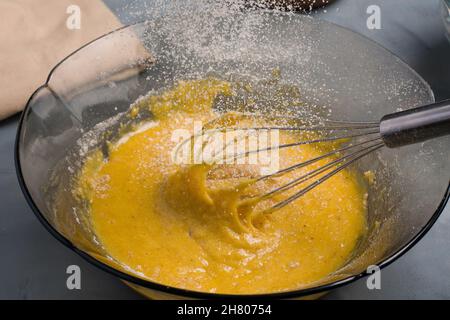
(188, 226)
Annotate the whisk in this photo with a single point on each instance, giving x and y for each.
(360, 139)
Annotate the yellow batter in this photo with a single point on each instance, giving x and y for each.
(185, 226)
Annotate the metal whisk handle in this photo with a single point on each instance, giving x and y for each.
(416, 125)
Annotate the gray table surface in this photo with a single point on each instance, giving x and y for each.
(33, 264)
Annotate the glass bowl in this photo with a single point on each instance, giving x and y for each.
(446, 16)
(87, 95)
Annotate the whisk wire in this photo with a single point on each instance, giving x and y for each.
(342, 157)
(322, 179)
(314, 173)
(313, 160)
(295, 144)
